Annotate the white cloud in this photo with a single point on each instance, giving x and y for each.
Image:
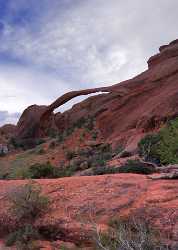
(21, 87)
(88, 42)
(8, 118)
(85, 44)
(93, 41)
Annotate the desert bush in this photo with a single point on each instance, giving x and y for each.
(163, 146)
(69, 170)
(40, 151)
(26, 205)
(94, 135)
(129, 234)
(89, 124)
(40, 141)
(130, 167)
(25, 144)
(118, 149)
(60, 138)
(14, 142)
(52, 145)
(2, 154)
(45, 170)
(23, 238)
(101, 170)
(27, 202)
(147, 147)
(79, 123)
(51, 132)
(100, 155)
(83, 122)
(70, 154)
(136, 167)
(35, 171)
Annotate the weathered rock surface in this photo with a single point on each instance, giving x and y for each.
(78, 201)
(126, 112)
(6, 132)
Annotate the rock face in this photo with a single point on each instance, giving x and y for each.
(126, 112)
(77, 202)
(6, 132)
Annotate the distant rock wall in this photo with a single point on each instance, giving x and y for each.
(127, 110)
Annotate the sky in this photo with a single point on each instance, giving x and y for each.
(49, 47)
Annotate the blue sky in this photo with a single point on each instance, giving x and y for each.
(48, 47)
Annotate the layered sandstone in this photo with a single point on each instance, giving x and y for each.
(125, 112)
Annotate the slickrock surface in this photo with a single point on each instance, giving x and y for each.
(78, 201)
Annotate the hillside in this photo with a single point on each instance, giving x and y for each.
(128, 133)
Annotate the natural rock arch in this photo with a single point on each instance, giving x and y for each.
(32, 121)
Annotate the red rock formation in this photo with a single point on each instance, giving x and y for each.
(6, 132)
(78, 200)
(124, 114)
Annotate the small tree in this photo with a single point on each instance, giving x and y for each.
(128, 234)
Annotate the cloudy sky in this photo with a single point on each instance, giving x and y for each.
(48, 47)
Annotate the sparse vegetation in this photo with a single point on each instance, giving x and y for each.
(52, 132)
(2, 154)
(70, 154)
(84, 122)
(105, 170)
(147, 147)
(118, 149)
(27, 202)
(129, 234)
(46, 170)
(26, 205)
(25, 144)
(136, 167)
(24, 238)
(161, 147)
(35, 171)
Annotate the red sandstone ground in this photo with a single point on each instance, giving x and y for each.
(82, 200)
(123, 116)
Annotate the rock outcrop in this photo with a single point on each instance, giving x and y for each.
(6, 132)
(77, 202)
(125, 112)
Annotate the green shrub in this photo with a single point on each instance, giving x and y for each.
(52, 132)
(102, 170)
(40, 141)
(80, 122)
(52, 145)
(118, 149)
(40, 151)
(136, 167)
(94, 135)
(38, 171)
(11, 239)
(148, 145)
(20, 172)
(26, 205)
(163, 146)
(70, 154)
(27, 202)
(23, 238)
(26, 143)
(68, 171)
(89, 124)
(60, 138)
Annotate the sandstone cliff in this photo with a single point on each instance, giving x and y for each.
(125, 112)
